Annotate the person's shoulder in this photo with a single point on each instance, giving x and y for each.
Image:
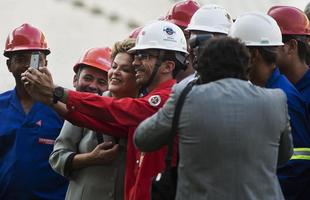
(276, 92)
(284, 84)
(271, 95)
(293, 95)
(5, 97)
(162, 89)
(229, 84)
(179, 87)
(6, 94)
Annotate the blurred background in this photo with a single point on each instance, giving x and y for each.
(72, 26)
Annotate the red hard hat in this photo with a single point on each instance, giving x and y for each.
(25, 37)
(181, 12)
(135, 32)
(99, 58)
(291, 20)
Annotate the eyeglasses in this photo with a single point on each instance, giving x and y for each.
(199, 40)
(144, 56)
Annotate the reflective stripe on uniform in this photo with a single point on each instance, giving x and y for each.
(301, 154)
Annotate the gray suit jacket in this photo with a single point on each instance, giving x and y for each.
(101, 182)
(232, 135)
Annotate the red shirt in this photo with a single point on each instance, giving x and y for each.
(120, 118)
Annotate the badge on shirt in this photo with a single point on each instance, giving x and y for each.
(46, 141)
(154, 100)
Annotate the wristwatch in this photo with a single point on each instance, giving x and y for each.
(58, 93)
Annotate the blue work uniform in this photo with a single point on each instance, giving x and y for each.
(303, 86)
(26, 141)
(294, 176)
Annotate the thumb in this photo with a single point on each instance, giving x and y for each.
(115, 147)
(106, 145)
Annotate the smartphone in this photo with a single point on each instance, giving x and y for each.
(34, 60)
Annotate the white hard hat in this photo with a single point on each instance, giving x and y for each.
(161, 35)
(210, 18)
(256, 29)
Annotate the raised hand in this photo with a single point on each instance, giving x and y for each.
(39, 84)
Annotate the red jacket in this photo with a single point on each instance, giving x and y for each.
(120, 118)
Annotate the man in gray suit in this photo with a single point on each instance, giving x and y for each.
(232, 134)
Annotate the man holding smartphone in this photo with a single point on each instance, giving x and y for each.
(28, 128)
(156, 64)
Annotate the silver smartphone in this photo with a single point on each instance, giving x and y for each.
(34, 61)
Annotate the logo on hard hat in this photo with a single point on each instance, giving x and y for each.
(168, 30)
(103, 61)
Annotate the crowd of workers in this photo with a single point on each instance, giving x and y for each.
(243, 131)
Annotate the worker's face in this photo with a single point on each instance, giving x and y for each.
(197, 42)
(90, 79)
(258, 73)
(144, 63)
(282, 56)
(121, 76)
(20, 61)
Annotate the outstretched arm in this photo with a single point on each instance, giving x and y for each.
(39, 83)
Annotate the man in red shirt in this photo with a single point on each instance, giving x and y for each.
(159, 54)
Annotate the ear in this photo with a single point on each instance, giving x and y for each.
(291, 47)
(75, 81)
(8, 64)
(167, 67)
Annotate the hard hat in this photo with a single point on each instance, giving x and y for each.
(161, 35)
(99, 58)
(135, 32)
(181, 12)
(25, 37)
(291, 20)
(210, 18)
(256, 29)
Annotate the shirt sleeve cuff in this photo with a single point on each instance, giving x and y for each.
(68, 166)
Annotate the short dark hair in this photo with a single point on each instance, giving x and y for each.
(268, 53)
(179, 59)
(303, 46)
(172, 56)
(223, 57)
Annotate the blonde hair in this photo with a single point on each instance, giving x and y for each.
(122, 47)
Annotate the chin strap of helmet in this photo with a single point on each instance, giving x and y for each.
(159, 61)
